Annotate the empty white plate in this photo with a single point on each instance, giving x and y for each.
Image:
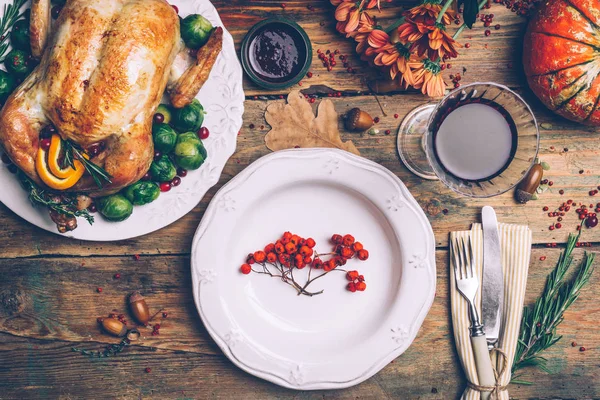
(338, 338)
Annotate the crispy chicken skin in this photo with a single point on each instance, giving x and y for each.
(100, 79)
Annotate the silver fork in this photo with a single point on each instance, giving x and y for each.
(467, 284)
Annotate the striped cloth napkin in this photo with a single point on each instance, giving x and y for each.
(515, 242)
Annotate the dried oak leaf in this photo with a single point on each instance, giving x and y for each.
(294, 125)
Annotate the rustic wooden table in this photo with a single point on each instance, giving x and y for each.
(49, 302)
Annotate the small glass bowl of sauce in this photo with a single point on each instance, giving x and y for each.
(276, 53)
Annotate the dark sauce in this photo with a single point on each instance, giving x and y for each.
(459, 102)
(277, 53)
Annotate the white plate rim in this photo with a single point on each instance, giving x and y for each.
(224, 120)
(200, 277)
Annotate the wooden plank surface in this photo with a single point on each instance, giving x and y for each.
(49, 302)
(49, 305)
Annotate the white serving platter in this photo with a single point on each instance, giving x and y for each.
(222, 97)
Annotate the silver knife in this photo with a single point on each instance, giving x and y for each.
(493, 280)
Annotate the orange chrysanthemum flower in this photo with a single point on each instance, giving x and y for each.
(410, 31)
(427, 14)
(442, 44)
(348, 13)
(429, 79)
(366, 25)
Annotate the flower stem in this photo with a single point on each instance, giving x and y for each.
(395, 25)
(463, 26)
(443, 10)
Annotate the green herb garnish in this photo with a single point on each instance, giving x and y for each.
(74, 152)
(110, 350)
(539, 323)
(62, 204)
(11, 13)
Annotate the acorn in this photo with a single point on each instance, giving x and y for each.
(139, 308)
(358, 120)
(114, 327)
(529, 184)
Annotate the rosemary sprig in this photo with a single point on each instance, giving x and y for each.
(108, 351)
(11, 13)
(63, 204)
(539, 323)
(74, 151)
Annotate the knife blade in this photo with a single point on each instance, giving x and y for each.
(493, 280)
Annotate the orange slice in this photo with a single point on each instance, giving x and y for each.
(53, 155)
(47, 167)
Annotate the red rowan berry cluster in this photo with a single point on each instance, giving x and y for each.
(294, 252)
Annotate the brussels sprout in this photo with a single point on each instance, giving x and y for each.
(115, 207)
(7, 84)
(142, 192)
(188, 118)
(163, 170)
(19, 36)
(165, 111)
(195, 31)
(164, 137)
(188, 136)
(18, 62)
(189, 151)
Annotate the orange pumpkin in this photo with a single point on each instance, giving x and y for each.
(561, 56)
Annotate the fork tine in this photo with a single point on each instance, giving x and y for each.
(456, 259)
(467, 262)
(472, 262)
(461, 266)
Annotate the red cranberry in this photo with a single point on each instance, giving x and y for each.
(148, 370)
(177, 12)
(157, 155)
(158, 118)
(93, 150)
(99, 290)
(376, 120)
(47, 131)
(545, 208)
(487, 31)
(558, 225)
(45, 144)
(591, 221)
(309, 74)
(181, 172)
(147, 176)
(176, 181)
(203, 133)
(92, 208)
(117, 276)
(165, 186)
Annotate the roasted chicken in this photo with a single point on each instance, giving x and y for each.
(103, 69)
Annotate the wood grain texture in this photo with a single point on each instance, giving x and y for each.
(49, 302)
(48, 305)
